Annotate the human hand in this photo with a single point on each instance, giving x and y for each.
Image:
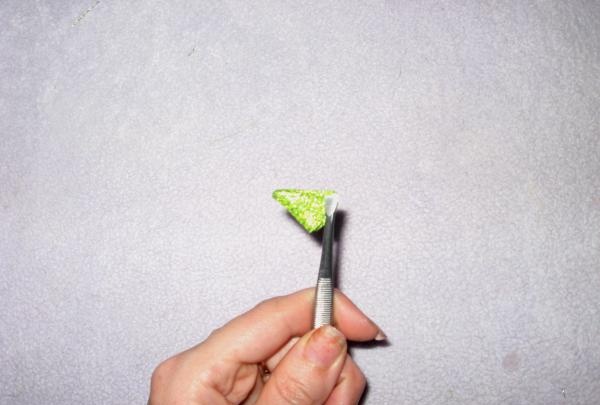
(270, 356)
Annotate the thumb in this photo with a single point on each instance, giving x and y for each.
(310, 370)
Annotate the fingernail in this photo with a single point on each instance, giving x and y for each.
(380, 333)
(325, 346)
(380, 336)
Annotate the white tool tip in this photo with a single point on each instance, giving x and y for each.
(331, 203)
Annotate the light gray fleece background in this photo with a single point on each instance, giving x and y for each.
(141, 141)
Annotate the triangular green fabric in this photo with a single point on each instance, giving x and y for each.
(307, 206)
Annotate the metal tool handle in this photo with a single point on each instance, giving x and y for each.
(323, 314)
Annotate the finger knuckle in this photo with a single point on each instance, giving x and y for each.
(361, 380)
(159, 381)
(357, 378)
(213, 374)
(162, 372)
(292, 390)
(268, 304)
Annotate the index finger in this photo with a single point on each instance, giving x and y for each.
(259, 333)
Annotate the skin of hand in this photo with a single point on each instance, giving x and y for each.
(304, 366)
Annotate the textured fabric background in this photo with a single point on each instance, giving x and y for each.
(141, 140)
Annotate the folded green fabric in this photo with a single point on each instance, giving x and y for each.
(307, 206)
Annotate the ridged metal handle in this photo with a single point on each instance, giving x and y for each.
(323, 303)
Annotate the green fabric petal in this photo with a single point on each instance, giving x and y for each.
(307, 206)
